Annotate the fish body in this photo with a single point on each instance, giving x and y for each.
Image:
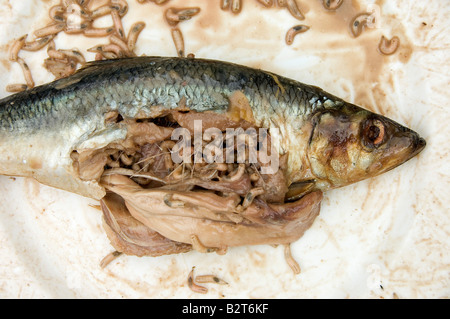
(109, 127)
(329, 142)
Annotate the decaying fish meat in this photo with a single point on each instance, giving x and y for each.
(111, 130)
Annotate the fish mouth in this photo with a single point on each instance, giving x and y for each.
(402, 142)
(414, 144)
(417, 145)
(404, 146)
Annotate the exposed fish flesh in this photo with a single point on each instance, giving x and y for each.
(108, 128)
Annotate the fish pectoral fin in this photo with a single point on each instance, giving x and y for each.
(102, 138)
(299, 189)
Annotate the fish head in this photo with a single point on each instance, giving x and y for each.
(351, 144)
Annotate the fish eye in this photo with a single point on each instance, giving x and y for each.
(373, 132)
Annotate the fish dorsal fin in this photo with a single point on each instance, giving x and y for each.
(88, 68)
(120, 62)
(93, 68)
(96, 64)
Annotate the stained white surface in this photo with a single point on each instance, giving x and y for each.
(380, 238)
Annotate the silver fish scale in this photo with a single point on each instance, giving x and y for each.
(129, 84)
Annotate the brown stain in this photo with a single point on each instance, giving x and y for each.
(173, 276)
(234, 32)
(141, 287)
(33, 188)
(210, 16)
(9, 4)
(254, 261)
(334, 21)
(35, 163)
(406, 48)
(359, 58)
(32, 192)
(257, 259)
(6, 64)
(5, 61)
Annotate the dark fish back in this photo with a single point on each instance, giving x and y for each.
(130, 83)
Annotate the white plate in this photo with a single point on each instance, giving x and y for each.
(381, 238)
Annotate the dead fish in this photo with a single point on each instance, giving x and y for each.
(328, 140)
(66, 133)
